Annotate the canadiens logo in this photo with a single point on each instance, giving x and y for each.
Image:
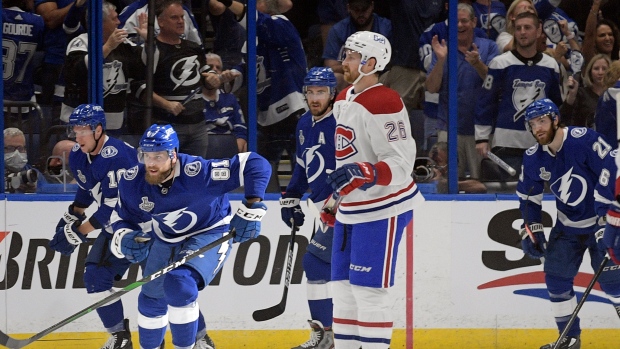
(192, 169)
(81, 176)
(146, 205)
(109, 152)
(344, 138)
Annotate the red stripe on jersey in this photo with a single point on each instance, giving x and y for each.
(380, 100)
(363, 323)
(387, 267)
(359, 203)
(343, 94)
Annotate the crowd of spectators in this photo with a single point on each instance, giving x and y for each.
(200, 68)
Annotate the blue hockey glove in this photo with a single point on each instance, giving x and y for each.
(247, 220)
(133, 245)
(534, 245)
(69, 217)
(291, 209)
(351, 176)
(67, 237)
(611, 238)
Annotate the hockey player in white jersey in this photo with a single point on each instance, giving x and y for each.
(569, 160)
(97, 161)
(375, 152)
(180, 203)
(315, 159)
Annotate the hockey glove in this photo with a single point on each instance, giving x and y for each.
(133, 245)
(328, 212)
(611, 238)
(534, 244)
(349, 177)
(247, 220)
(69, 217)
(291, 210)
(67, 237)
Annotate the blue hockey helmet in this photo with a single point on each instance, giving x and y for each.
(159, 138)
(86, 115)
(321, 76)
(540, 108)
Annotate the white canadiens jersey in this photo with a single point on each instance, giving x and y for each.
(571, 173)
(373, 126)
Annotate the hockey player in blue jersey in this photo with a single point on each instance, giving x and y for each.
(569, 160)
(314, 161)
(179, 201)
(97, 161)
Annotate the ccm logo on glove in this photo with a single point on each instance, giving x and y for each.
(250, 215)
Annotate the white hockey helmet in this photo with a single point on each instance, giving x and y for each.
(370, 45)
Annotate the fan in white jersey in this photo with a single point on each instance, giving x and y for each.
(375, 153)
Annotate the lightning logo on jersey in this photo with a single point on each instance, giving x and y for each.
(188, 74)
(175, 222)
(524, 93)
(571, 188)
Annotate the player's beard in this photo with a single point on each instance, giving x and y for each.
(547, 137)
(322, 109)
(158, 177)
(351, 75)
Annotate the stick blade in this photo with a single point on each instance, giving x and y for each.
(12, 343)
(268, 313)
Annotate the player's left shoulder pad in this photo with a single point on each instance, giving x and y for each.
(131, 173)
(532, 150)
(380, 100)
(578, 132)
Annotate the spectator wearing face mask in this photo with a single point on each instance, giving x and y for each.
(19, 176)
(57, 176)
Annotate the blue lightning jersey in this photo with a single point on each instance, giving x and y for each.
(55, 38)
(491, 20)
(195, 203)
(605, 117)
(224, 116)
(315, 157)
(604, 193)
(512, 83)
(22, 35)
(572, 174)
(281, 68)
(97, 176)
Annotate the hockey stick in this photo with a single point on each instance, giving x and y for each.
(278, 309)
(12, 343)
(501, 163)
(580, 304)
